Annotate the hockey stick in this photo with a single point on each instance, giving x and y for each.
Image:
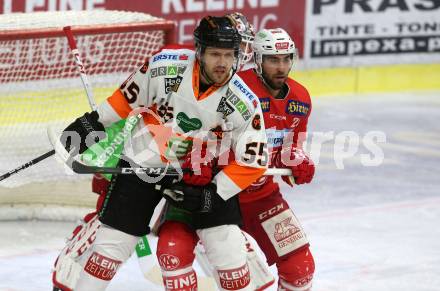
(86, 84)
(80, 168)
(27, 165)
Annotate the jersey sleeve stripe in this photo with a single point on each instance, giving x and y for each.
(242, 176)
(119, 104)
(226, 188)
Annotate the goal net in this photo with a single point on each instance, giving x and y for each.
(40, 87)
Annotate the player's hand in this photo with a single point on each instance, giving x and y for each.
(82, 127)
(192, 198)
(197, 173)
(303, 168)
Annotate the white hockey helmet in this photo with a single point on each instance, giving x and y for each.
(272, 42)
(247, 33)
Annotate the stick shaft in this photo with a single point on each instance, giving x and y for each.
(28, 164)
(80, 66)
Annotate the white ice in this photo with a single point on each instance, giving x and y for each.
(370, 228)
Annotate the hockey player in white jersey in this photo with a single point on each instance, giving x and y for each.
(177, 237)
(181, 94)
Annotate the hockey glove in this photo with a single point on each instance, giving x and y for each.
(192, 198)
(197, 174)
(303, 168)
(83, 126)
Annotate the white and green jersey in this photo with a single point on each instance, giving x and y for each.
(176, 116)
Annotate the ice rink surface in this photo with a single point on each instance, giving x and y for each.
(370, 227)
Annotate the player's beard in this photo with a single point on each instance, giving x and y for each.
(218, 75)
(275, 81)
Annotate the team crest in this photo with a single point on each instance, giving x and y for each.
(256, 122)
(169, 262)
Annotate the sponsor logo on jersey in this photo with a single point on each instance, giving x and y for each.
(102, 267)
(167, 71)
(285, 229)
(246, 92)
(275, 137)
(186, 123)
(265, 104)
(238, 104)
(165, 57)
(159, 71)
(256, 122)
(281, 45)
(224, 107)
(169, 262)
(297, 108)
(271, 212)
(172, 84)
(234, 279)
(246, 115)
(187, 281)
(183, 57)
(277, 117)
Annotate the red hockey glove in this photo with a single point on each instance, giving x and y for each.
(199, 172)
(302, 167)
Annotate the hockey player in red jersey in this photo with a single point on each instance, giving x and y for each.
(286, 107)
(191, 85)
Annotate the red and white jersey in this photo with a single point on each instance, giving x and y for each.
(281, 116)
(178, 115)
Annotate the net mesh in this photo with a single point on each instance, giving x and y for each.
(40, 87)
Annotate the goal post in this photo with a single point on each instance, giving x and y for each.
(40, 87)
